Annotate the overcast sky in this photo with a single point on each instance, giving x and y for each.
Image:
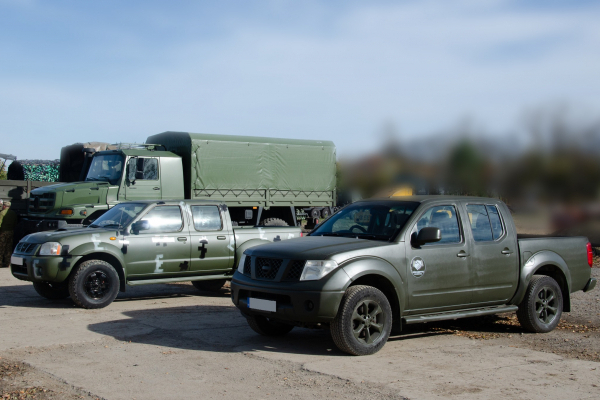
(119, 71)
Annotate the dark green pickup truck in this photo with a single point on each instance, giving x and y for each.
(378, 264)
(138, 243)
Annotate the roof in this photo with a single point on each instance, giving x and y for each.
(431, 198)
(139, 153)
(252, 139)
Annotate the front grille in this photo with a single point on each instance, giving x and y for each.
(41, 202)
(25, 248)
(267, 268)
(247, 266)
(294, 270)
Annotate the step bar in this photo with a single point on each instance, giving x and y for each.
(178, 279)
(476, 312)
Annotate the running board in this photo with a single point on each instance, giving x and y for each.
(180, 279)
(415, 319)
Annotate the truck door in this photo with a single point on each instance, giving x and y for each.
(439, 273)
(164, 249)
(494, 255)
(142, 179)
(211, 251)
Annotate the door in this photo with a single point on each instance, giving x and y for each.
(439, 274)
(212, 248)
(142, 179)
(163, 250)
(495, 260)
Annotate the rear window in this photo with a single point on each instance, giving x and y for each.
(486, 224)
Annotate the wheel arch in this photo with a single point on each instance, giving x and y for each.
(549, 264)
(109, 258)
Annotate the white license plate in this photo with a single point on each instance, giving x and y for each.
(263, 305)
(16, 260)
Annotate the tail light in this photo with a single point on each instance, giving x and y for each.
(590, 254)
(301, 234)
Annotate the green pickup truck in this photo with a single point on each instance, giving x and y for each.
(137, 243)
(378, 264)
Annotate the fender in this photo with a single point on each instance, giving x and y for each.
(535, 262)
(359, 267)
(103, 248)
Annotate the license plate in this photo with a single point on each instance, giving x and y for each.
(16, 260)
(263, 305)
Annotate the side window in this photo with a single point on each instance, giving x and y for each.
(443, 217)
(207, 218)
(497, 228)
(164, 219)
(146, 169)
(480, 222)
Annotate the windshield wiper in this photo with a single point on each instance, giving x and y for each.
(376, 237)
(331, 234)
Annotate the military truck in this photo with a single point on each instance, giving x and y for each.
(138, 243)
(382, 263)
(263, 181)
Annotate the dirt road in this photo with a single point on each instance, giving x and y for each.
(171, 341)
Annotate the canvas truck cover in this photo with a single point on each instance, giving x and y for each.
(222, 162)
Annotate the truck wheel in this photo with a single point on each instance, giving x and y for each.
(274, 222)
(209, 286)
(542, 306)
(267, 327)
(363, 322)
(52, 291)
(94, 284)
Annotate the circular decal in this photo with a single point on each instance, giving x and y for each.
(417, 267)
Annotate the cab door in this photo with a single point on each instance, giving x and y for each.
(163, 250)
(438, 274)
(143, 181)
(495, 255)
(212, 249)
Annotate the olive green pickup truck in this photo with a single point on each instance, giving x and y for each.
(378, 264)
(136, 243)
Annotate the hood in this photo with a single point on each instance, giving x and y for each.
(69, 194)
(59, 187)
(314, 247)
(58, 236)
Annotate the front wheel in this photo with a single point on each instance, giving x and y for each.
(542, 305)
(52, 291)
(268, 327)
(363, 322)
(94, 284)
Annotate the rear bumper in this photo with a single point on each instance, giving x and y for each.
(591, 284)
(293, 306)
(43, 269)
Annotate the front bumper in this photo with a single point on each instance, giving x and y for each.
(43, 268)
(294, 306)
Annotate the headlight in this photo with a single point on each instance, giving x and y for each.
(315, 270)
(50, 249)
(241, 264)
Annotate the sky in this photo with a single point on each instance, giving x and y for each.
(114, 71)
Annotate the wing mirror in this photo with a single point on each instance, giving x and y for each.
(138, 226)
(428, 235)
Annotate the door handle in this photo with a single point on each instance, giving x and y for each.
(506, 251)
(221, 237)
(182, 239)
(156, 188)
(462, 254)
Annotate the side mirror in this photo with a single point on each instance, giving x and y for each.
(131, 170)
(138, 226)
(428, 235)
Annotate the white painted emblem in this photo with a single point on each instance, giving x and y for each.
(261, 234)
(417, 267)
(96, 241)
(291, 235)
(164, 239)
(158, 262)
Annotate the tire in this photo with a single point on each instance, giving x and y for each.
(209, 286)
(359, 301)
(536, 313)
(52, 291)
(274, 222)
(268, 327)
(325, 213)
(94, 284)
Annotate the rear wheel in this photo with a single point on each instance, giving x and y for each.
(52, 291)
(541, 309)
(268, 327)
(94, 284)
(274, 222)
(363, 322)
(209, 286)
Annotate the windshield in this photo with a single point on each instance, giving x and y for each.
(106, 168)
(377, 220)
(119, 216)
